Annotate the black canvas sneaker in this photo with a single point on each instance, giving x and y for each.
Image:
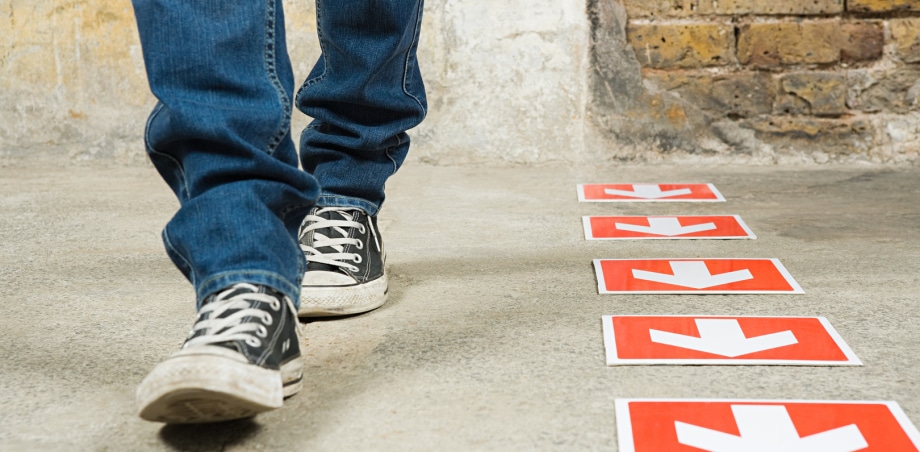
(241, 358)
(345, 263)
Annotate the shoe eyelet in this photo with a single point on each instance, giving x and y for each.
(275, 305)
(262, 331)
(360, 245)
(253, 342)
(354, 269)
(362, 229)
(267, 320)
(357, 258)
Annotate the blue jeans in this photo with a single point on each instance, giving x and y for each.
(220, 134)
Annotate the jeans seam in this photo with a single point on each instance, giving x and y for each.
(242, 272)
(322, 48)
(393, 160)
(176, 252)
(272, 73)
(183, 190)
(415, 39)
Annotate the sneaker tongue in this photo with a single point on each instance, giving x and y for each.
(331, 233)
(237, 290)
(225, 294)
(346, 215)
(230, 292)
(316, 266)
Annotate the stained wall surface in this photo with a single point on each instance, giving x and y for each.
(506, 80)
(758, 80)
(742, 81)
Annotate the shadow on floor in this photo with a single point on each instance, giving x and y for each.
(208, 437)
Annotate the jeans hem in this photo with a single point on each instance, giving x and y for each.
(223, 280)
(330, 200)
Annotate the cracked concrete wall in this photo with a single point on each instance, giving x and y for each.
(506, 81)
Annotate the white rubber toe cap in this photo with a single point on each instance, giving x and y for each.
(321, 278)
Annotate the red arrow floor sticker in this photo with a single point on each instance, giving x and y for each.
(649, 193)
(810, 341)
(674, 227)
(693, 276)
(763, 425)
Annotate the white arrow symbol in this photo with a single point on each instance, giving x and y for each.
(666, 226)
(723, 337)
(648, 191)
(766, 428)
(693, 274)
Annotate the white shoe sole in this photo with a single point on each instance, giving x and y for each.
(194, 389)
(327, 301)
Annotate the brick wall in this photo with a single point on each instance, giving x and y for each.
(839, 75)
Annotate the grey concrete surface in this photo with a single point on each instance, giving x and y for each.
(491, 339)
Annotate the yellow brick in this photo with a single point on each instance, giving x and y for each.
(821, 42)
(879, 6)
(823, 93)
(687, 8)
(772, 7)
(906, 35)
(662, 8)
(682, 46)
(772, 44)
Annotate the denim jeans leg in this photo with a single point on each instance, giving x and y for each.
(220, 137)
(363, 94)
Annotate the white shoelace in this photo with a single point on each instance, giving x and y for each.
(339, 259)
(232, 328)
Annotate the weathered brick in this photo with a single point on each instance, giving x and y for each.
(880, 6)
(682, 46)
(787, 104)
(694, 89)
(686, 8)
(767, 45)
(744, 94)
(736, 95)
(773, 7)
(813, 93)
(906, 35)
(835, 136)
(897, 91)
(861, 41)
(774, 44)
(662, 8)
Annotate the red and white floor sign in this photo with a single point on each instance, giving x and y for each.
(633, 339)
(649, 193)
(648, 425)
(660, 227)
(693, 276)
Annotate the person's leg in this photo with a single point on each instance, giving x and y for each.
(220, 137)
(363, 94)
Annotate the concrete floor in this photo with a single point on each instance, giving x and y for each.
(491, 339)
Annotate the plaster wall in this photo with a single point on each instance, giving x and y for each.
(507, 81)
(530, 81)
